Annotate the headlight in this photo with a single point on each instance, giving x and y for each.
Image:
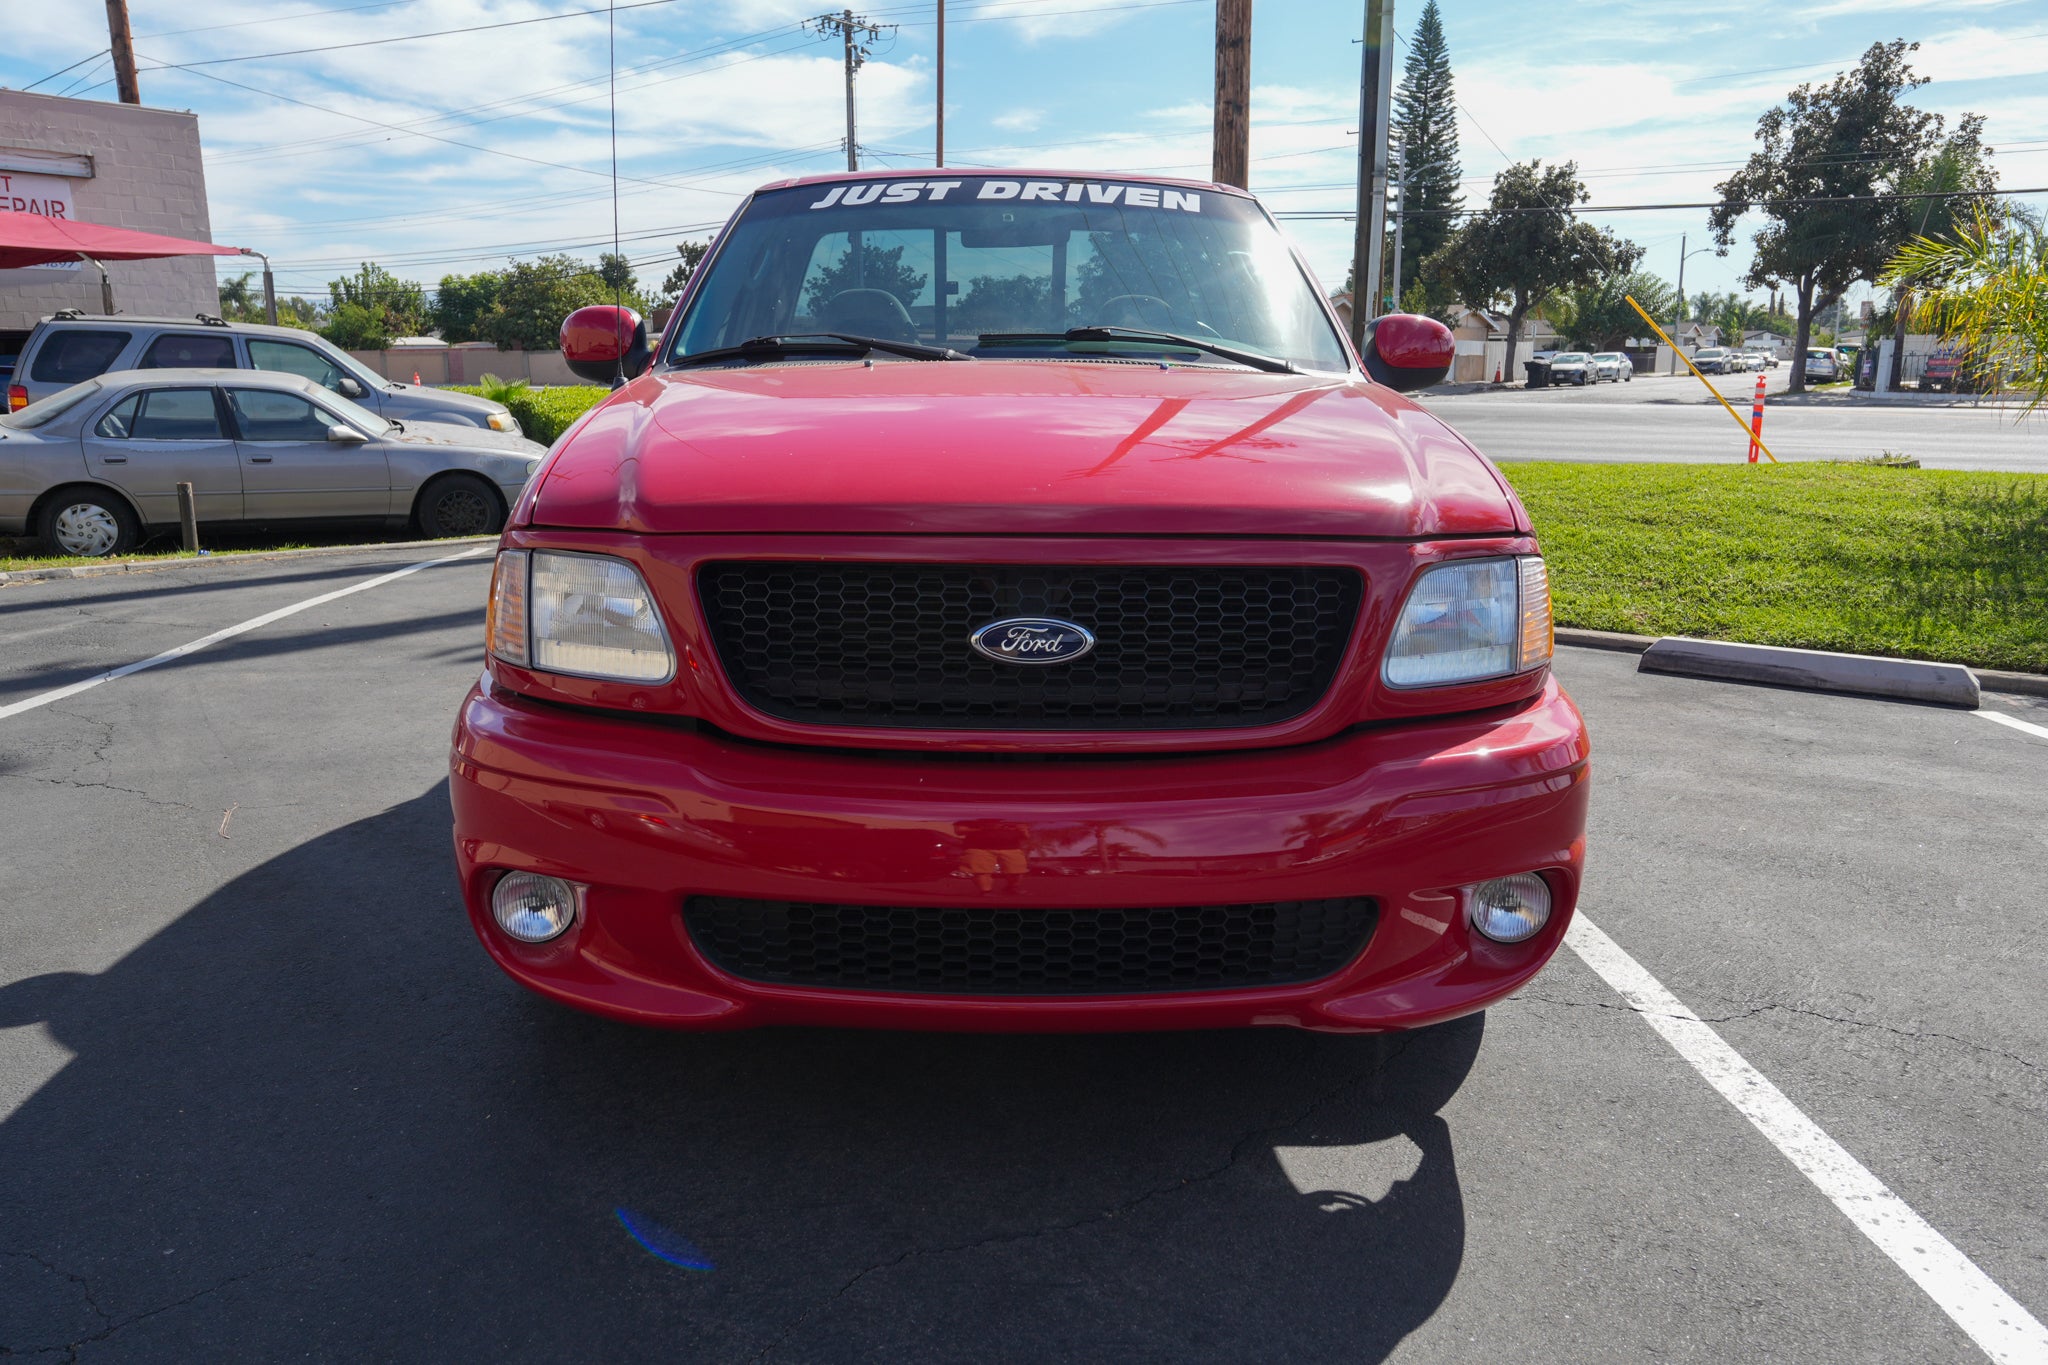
(586, 615)
(1470, 619)
(504, 421)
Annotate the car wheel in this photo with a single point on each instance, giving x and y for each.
(460, 505)
(89, 524)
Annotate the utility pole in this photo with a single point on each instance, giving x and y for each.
(1230, 146)
(123, 45)
(1400, 220)
(939, 155)
(857, 34)
(1375, 96)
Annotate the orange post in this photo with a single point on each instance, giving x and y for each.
(1756, 420)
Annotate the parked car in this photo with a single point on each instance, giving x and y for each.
(1769, 359)
(1823, 364)
(1613, 366)
(94, 468)
(1714, 360)
(1572, 367)
(70, 347)
(1950, 371)
(773, 628)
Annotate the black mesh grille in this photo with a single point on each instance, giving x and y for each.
(958, 951)
(887, 644)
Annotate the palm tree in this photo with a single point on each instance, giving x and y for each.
(1735, 315)
(1940, 201)
(1985, 287)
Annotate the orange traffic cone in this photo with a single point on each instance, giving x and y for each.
(415, 377)
(1496, 374)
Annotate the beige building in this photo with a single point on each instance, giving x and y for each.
(100, 162)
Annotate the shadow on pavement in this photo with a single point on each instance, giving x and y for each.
(186, 578)
(308, 1117)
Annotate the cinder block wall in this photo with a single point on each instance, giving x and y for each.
(147, 175)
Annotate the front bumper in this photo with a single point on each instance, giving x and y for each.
(647, 812)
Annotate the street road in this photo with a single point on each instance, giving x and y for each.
(1659, 417)
(262, 1096)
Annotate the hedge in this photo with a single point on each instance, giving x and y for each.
(545, 414)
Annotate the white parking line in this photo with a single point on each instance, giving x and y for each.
(2040, 731)
(1995, 1321)
(242, 628)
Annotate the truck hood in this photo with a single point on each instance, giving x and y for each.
(1017, 447)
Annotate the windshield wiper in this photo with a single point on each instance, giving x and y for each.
(784, 343)
(1268, 363)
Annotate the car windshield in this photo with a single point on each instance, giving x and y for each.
(355, 413)
(991, 266)
(51, 408)
(1608, 355)
(1570, 357)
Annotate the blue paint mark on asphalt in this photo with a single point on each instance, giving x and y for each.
(663, 1244)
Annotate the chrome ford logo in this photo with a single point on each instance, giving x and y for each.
(1032, 640)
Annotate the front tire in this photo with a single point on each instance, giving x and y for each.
(460, 505)
(89, 523)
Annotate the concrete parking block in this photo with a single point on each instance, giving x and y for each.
(1813, 669)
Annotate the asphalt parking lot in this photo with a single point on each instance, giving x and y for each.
(262, 1095)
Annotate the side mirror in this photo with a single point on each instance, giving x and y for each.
(345, 435)
(1407, 352)
(602, 341)
(350, 387)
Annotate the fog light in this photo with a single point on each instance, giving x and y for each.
(533, 908)
(1510, 909)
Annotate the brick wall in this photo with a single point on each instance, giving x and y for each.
(147, 175)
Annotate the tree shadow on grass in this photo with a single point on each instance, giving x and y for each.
(308, 1117)
(1978, 576)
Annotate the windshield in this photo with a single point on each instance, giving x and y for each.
(1569, 357)
(361, 416)
(51, 408)
(957, 262)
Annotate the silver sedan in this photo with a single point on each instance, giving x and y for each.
(95, 468)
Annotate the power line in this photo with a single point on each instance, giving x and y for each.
(276, 18)
(433, 137)
(411, 37)
(1766, 204)
(73, 67)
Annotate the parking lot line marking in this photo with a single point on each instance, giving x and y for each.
(2041, 731)
(2003, 1329)
(241, 628)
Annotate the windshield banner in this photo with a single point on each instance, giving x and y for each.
(1042, 191)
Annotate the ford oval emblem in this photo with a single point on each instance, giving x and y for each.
(1033, 640)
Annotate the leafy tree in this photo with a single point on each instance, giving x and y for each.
(692, 254)
(1826, 151)
(1596, 316)
(1525, 246)
(1426, 131)
(463, 302)
(400, 305)
(1004, 303)
(620, 283)
(534, 297)
(356, 327)
(1985, 287)
(1735, 316)
(877, 268)
(1939, 195)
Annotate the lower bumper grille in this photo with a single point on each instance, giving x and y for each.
(1022, 952)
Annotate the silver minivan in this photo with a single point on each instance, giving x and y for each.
(71, 347)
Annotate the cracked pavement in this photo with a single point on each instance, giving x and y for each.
(261, 1096)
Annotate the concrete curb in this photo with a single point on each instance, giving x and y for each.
(15, 576)
(1866, 675)
(1605, 639)
(1988, 679)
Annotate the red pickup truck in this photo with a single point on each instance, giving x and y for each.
(1003, 600)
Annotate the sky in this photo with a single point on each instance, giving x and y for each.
(451, 154)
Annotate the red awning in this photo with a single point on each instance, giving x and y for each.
(31, 239)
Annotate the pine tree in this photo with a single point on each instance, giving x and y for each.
(1426, 131)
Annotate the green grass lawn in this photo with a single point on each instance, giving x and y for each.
(1928, 564)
